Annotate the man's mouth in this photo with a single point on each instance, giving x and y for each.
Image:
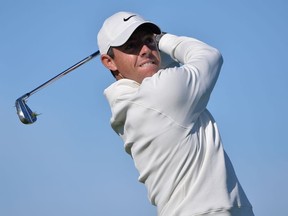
(148, 63)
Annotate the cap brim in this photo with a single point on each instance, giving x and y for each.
(125, 35)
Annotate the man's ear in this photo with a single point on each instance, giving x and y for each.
(108, 62)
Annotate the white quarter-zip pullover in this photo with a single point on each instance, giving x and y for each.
(173, 139)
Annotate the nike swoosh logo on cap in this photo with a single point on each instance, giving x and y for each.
(126, 19)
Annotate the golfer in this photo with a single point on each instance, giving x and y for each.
(160, 113)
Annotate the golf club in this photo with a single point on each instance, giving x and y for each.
(25, 114)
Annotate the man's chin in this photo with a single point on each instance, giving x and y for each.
(151, 69)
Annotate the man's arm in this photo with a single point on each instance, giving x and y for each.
(188, 88)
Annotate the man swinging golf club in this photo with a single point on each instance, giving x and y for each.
(162, 118)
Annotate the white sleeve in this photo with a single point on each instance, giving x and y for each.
(184, 91)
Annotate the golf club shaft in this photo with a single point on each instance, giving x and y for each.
(88, 58)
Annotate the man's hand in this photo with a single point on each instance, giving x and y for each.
(158, 37)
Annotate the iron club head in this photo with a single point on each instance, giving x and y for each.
(24, 113)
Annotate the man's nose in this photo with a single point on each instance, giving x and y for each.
(145, 50)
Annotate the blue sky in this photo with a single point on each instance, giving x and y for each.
(70, 162)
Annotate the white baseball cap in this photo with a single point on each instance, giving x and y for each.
(118, 28)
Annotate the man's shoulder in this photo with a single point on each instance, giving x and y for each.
(120, 87)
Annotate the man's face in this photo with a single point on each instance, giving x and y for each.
(139, 57)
